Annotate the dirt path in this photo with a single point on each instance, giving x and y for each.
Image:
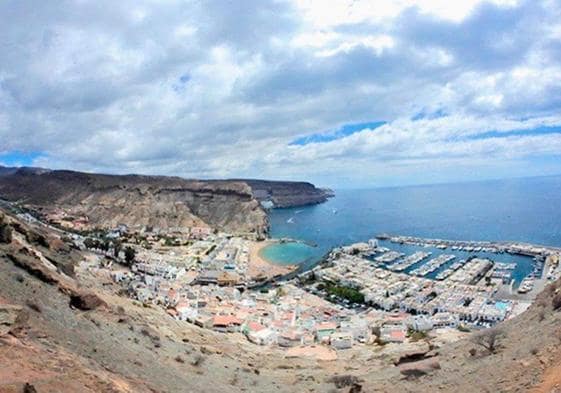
(551, 381)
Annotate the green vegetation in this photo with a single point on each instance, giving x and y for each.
(416, 335)
(343, 292)
(129, 255)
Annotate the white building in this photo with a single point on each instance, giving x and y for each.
(342, 340)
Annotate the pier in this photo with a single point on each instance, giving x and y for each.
(514, 248)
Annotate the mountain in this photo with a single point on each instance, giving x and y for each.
(155, 201)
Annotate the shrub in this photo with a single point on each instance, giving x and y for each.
(129, 255)
(416, 336)
(198, 360)
(342, 381)
(489, 339)
(534, 351)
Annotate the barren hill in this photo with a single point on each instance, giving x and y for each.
(157, 201)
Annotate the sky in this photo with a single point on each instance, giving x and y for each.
(341, 93)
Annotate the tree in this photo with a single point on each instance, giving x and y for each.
(489, 339)
(129, 255)
(89, 242)
(116, 248)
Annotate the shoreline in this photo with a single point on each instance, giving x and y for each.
(261, 268)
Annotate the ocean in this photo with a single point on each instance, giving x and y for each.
(524, 209)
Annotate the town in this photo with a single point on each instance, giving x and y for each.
(361, 294)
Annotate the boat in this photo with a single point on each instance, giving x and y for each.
(527, 284)
(290, 220)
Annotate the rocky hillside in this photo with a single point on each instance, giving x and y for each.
(526, 356)
(288, 194)
(157, 201)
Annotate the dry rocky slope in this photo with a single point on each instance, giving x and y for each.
(62, 330)
(157, 201)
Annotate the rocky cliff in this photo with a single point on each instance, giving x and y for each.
(288, 193)
(157, 201)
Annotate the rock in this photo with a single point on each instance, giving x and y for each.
(86, 301)
(29, 388)
(5, 230)
(10, 318)
(407, 352)
(356, 388)
(421, 367)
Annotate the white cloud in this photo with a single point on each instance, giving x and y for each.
(220, 89)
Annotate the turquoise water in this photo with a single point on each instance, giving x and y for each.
(503, 306)
(288, 253)
(516, 209)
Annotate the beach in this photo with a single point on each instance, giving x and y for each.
(259, 267)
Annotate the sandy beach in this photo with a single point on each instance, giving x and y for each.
(260, 267)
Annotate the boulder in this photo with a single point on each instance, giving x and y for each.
(10, 316)
(421, 367)
(406, 352)
(86, 301)
(5, 230)
(28, 388)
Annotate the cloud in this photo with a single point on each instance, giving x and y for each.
(249, 88)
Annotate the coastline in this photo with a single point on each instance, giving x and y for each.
(261, 268)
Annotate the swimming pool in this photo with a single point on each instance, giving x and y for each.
(503, 306)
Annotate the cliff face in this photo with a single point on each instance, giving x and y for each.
(108, 200)
(288, 194)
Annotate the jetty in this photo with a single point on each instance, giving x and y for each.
(515, 248)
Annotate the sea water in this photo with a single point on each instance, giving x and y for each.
(525, 210)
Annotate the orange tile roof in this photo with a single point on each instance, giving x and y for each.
(326, 326)
(397, 334)
(225, 320)
(255, 326)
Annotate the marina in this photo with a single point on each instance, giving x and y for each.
(433, 265)
(448, 272)
(389, 257)
(502, 270)
(410, 261)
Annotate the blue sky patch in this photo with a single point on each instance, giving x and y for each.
(344, 131)
(543, 130)
(18, 158)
